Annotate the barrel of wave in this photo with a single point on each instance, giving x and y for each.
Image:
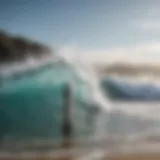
(31, 105)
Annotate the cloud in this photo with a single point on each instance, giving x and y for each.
(147, 18)
(152, 25)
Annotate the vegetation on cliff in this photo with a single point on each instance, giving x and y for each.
(14, 48)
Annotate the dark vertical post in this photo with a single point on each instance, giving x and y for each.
(67, 116)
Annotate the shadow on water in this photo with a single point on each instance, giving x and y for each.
(5, 125)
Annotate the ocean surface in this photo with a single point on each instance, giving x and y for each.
(31, 104)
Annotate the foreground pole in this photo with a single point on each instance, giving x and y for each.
(67, 128)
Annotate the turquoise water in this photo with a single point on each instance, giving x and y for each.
(31, 103)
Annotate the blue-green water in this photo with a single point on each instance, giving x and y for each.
(31, 104)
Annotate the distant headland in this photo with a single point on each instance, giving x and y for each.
(16, 48)
(126, 69)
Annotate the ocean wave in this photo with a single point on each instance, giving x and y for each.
(32, 100)
(125, 89)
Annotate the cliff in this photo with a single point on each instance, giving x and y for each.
(14, 48)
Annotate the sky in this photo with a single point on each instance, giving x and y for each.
(98, 30)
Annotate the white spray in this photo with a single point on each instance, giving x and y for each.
(87, 75)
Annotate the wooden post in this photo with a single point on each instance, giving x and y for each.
(67, 127)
